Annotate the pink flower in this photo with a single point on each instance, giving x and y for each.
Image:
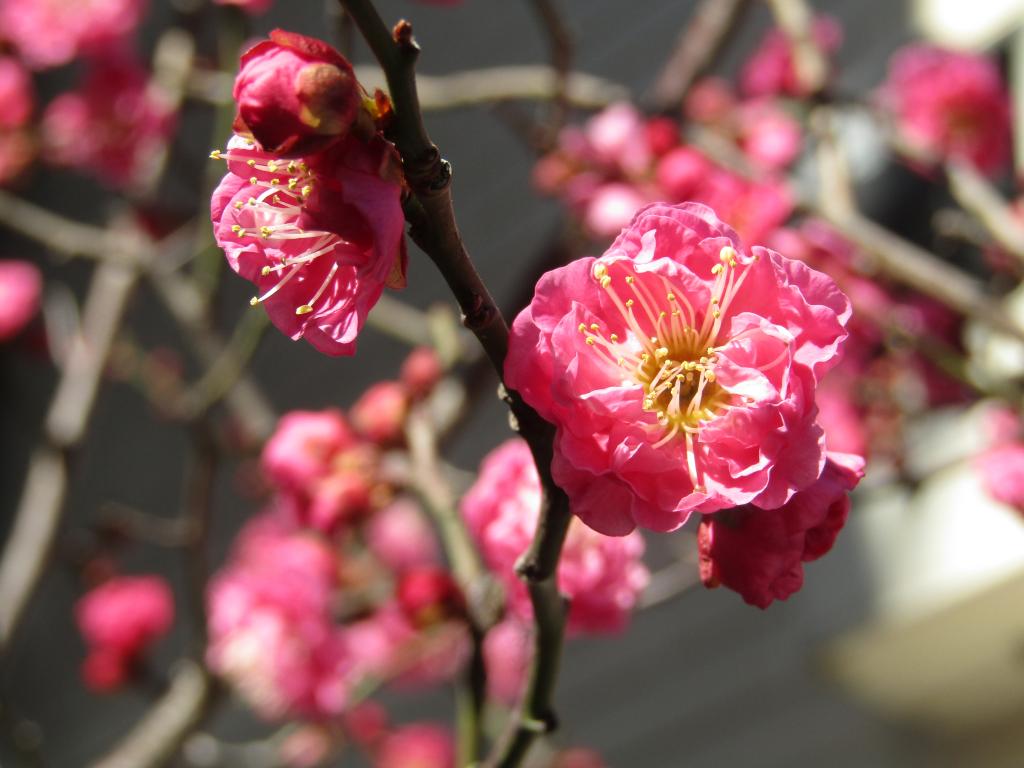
(421, 371)
(308, 746)
(20, 286)
(612, 207)
(379, 413)
(112, 126)
(507, 653)
(681, 172)
(768, 136)
(602, 576)
(953, 105)
(617, 137)
(16, 93)
(420, 745)
(759, 552)
(679, 371)
(429, 595)
(48, 33)
(400, 536)
(270, 613)
(770, 71)
(320, 236)
(325, 474)
(710, 100)
(119, 620)
(295, 94)
(252, 7)
(1002, 473)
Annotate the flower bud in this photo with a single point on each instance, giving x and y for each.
(379, 414)
(421, 370)
(295, 94)
(428, 596)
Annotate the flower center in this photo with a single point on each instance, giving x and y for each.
(274, 213)
(669, 347)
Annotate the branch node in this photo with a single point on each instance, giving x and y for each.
(402, 35)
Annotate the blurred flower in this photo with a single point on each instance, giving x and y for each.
(379, 413)
(401, 537)
(420, 745)
(295, 94)
(112, 126)
(679, 371)
(16, 93)
(601, 575)
(507, 653)
(321, 237)
(119, 620)
(1002, 473)
(770, 70)
(949, 104)
(48, 33)
(421, 371)
(20, 286)
(759, 552)
(429, 595)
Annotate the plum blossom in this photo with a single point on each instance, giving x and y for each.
(48, 33)
(119, 620)
(759, 553)
(379, 413)
(20, 286)
(770, 70)
(603, 576)
(1002, 473)
(325, 475)
(401, 537)
(271, 627)
(295, 94)
(949, 104)
(111, 126)
(320, 236)
(420, 745)
(507, 653)
(421, 371)
(16, 93)
(679, 370)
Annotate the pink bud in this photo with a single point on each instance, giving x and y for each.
(401, 537)
(295, 94)
(104, 670)
(681, 171)
(429, 596)
(379, 415)
(20, 286)
(420, 745)
(421, 371)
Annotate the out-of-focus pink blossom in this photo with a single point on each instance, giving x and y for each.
(379, 413)
(770, 71)
(366, 723)
(308, 746)
(430, 595)
(323, 472)
(400, 536)
(617, 136)
(767, 135)
(843, 422)
(949, 104)
(612, 207)
(421, 745)
(759, 553)
(421, 371)
(662, 134)
(20, 286)
(252, 7)
(48, 33)
(601, 575)
(320, 237)
(710, 100)
(16, 93)
(681, 172)
(507, 653)
(295, 94)
(1002, 473)
(272, 634)
(119, 620)
(112, 126)
(17, 149)
(679, 371)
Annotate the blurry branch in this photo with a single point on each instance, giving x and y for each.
(560, 52)
(464, 89)
(796, 20)
(699, 43)
(157, 736)
(1017, 101)
(895, 257)
(37, 517)
(185, 302)
(434, 229)
(976, 196)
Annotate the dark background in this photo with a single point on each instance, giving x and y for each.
(703, 680)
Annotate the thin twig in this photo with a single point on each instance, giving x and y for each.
(434, 229)
(560, 52)
(699, 43)
(980, 199)
(796, 20)
(39, 511)
(157, 736)
(458, 90)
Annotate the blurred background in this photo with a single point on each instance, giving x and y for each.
(905, 646)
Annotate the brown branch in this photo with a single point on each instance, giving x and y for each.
(699, 43)
(433, 227)
(980, 199)
(157, 736)
(38, 515)
(560, 52)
